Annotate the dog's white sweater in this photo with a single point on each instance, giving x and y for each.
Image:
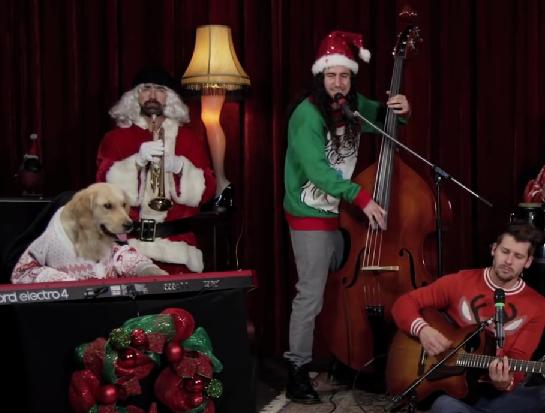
(52, 257)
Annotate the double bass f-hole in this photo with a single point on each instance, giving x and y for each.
(411, 265)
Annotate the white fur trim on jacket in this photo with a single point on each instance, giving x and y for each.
(192, 185)
(124, 174)
(174, 252)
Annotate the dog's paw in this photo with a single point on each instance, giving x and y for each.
(149, 269)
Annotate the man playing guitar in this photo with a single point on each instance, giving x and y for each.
(467, 297)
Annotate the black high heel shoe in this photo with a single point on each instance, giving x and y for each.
(224, 200)
(221, 203)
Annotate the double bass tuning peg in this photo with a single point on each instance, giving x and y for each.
(415, 39)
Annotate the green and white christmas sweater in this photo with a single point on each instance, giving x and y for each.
(316, 176)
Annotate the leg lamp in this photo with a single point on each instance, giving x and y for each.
(211, 104)
(214, 70)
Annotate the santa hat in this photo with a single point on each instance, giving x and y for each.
(337, 49)
(34, 149)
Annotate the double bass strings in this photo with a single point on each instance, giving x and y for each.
(381, 194)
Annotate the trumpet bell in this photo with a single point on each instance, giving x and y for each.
(160, 204)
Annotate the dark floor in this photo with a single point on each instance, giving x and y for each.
(272, 376)
(271, 379)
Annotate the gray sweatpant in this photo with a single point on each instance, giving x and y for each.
(316, 253)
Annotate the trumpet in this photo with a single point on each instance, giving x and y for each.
(157, 173)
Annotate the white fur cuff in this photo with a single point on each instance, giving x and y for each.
(173, 252)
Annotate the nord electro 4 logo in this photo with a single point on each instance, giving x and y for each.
(15, 297)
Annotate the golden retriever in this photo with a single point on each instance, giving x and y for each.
(79, 242)
(94, 218)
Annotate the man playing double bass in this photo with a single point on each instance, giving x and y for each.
(467, 297)
(321, 157)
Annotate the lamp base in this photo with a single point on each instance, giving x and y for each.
(222, 202)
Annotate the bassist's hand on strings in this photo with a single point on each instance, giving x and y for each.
(433, 341)
(376, 215)
(500, 375)
(399, 104)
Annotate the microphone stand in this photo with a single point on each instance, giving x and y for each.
(439, 174)
(410, 391)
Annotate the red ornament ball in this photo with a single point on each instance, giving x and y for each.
(139, 338)
(173, 352)
(196, 400)
(127, 358)
(194, 385)
(183, 322)
(107, 394)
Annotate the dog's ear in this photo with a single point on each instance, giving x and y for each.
(91, 195)
(75, 215)
(81, 206)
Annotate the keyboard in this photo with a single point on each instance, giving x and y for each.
(125, 287)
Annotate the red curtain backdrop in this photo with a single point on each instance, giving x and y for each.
(475, 85)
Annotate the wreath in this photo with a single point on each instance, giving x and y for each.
(111, 369)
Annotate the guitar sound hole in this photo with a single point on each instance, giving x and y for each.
(473, 344)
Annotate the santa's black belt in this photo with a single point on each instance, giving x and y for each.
(149, 229)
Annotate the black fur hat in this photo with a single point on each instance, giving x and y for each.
(157, 76)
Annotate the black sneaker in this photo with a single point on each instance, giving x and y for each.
(299, 388)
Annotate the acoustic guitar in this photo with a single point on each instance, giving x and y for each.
(407, 361)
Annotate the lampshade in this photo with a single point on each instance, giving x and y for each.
(214, 63)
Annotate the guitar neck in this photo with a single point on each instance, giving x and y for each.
(482, 361)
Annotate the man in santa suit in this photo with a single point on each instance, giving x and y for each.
(126, 158)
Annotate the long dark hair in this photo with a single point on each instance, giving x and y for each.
(322, 101)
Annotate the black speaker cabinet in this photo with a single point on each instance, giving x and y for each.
(17, 214)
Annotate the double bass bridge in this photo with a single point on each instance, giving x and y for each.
(380, 268)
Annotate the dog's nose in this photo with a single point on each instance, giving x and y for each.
(127, 226)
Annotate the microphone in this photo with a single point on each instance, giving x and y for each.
(499, 303)
(340, 99)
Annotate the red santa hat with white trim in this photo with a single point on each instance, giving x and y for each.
(337, 49)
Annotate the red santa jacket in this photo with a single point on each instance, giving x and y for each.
(194, 185)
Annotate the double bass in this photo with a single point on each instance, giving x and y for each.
(381, 264)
